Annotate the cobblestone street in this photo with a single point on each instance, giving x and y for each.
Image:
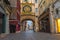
(29, 35)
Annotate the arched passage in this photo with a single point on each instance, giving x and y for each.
(27, 23)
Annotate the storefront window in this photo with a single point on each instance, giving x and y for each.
(58, 25)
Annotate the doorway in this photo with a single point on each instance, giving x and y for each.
(12, 28)
(2, 23)
(45, 24)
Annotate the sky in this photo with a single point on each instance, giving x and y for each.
(29, 22)
(57, 4)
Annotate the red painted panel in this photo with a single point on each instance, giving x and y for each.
(13, 22)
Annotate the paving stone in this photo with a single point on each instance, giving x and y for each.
(31, 36)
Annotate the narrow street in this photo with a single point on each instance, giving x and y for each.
(29, 19)
(29, 35)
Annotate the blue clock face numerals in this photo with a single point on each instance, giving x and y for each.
(27, 8)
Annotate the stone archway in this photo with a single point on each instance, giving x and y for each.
(25, 18)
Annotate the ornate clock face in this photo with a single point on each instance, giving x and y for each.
(27, 8)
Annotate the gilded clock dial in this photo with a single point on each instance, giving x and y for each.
(27, 8)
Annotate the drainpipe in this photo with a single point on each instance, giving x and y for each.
(7, 24)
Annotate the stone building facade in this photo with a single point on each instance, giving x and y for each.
(5, 10)
(46, 16)
(15, 16)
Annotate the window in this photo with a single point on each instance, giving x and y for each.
(44, 2)
(6, 1)
(36, 9)
(56, 11)
(25, 0)
(35, 1)
(41, 6)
